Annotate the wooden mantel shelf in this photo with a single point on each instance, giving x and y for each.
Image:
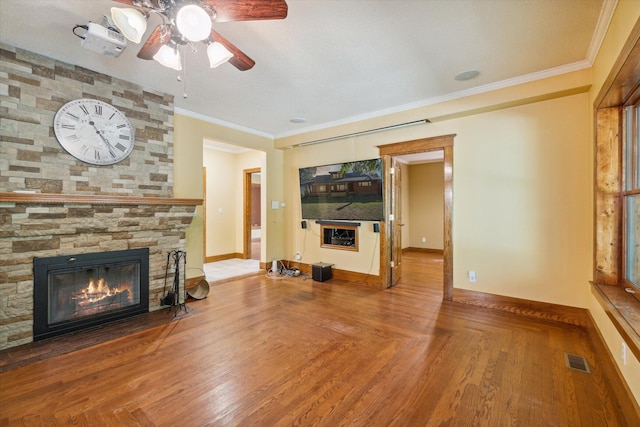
(98, 199)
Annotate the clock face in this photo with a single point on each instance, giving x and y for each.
(94, 131)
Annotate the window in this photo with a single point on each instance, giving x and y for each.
(631, 196)
(617, 194)
(364, 184)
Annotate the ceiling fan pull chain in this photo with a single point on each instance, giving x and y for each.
(166, 33)
(184, 76)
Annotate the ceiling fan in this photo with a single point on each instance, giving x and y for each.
(190, 21)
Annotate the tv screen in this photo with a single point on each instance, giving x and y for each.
(342, 191)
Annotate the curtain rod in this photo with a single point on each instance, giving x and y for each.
(364, 132)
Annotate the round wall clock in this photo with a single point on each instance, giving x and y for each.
(94, 131)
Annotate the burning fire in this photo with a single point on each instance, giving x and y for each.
(95, 292)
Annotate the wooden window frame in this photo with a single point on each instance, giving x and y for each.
(627, 193)
(620, 89)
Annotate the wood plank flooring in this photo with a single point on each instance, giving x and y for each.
(292, 351)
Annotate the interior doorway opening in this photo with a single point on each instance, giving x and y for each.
(233, 210)
(252, 216)
(422, 211)
(390, 255)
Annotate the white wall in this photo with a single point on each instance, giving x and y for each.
(426, 205)
(523, 201)
(224, 201)
(522, 215)
(405, 199)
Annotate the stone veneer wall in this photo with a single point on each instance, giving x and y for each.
(32, 89)
(40, 229)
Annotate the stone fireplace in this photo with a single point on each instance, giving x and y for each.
(53, 205)
(40, 226)
(83, 290)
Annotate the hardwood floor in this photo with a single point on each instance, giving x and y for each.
(297, 352)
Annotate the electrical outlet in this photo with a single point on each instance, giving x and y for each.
(472, 276)
(298, 256)
(424, 240)
(624, 353)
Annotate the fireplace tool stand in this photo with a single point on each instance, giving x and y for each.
(171, 296)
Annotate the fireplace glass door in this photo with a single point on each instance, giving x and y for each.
(78, 294)
(80, 291)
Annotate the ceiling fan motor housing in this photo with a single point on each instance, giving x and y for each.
(188, 21)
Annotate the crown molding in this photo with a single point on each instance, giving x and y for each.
(606, 14)
(527, 78)
(219, 122)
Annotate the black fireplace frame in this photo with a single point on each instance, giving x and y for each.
(43, 266)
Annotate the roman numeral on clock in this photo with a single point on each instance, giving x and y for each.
(93, 131)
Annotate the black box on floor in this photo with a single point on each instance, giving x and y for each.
(321, 271)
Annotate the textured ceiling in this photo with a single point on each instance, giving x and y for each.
(335, 61)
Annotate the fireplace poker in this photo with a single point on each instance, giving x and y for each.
(172, 296)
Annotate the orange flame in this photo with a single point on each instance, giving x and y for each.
(97, 291)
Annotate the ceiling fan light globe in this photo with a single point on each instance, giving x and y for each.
(218, 54)
(131, 23)
(193, 22)
(169, 57)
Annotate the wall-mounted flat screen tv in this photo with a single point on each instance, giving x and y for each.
(343, 191)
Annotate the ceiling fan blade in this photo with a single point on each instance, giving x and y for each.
(247, 10)
(156, 40)
(239, 60)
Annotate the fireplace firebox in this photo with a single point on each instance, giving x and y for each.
(75, 292)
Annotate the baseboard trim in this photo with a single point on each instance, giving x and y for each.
(346, 275)
(223, 257)
(423, 250)
(534, 309)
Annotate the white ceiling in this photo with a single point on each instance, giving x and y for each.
(424, 157)
(335, 61)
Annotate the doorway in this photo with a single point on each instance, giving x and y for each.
(390, 255)
(252, 230)
(233, 225)
(422, 209)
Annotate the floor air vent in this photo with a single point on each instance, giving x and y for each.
(578, 363)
